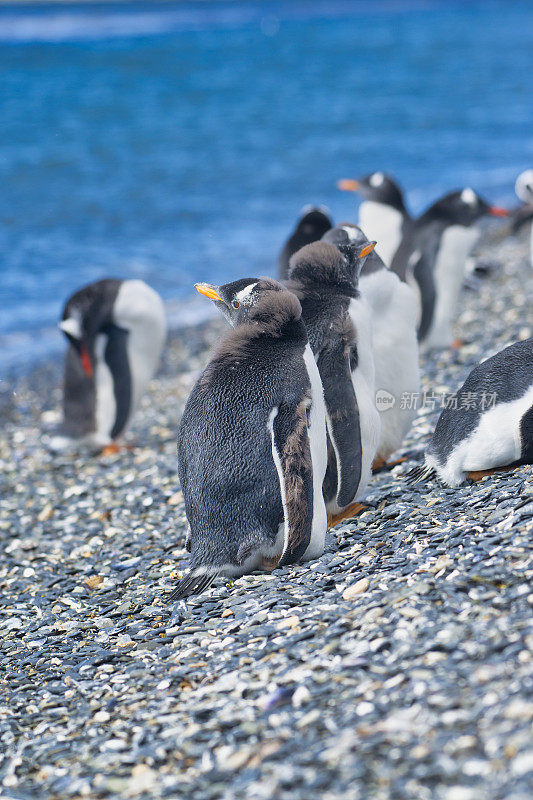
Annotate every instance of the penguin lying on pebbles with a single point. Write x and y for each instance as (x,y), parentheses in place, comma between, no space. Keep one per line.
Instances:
(313,223)
(116,330)
(524,215)
(488,424)
(383,215)
(432,256)
(394,317)
(252,441)
(339,326)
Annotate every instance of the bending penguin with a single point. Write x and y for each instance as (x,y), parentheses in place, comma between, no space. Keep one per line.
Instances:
(116,330)
(339,327)
(393,309)
(490,422)
(252,441)
(524,215)
(383,215)
(432,257)
(311,226)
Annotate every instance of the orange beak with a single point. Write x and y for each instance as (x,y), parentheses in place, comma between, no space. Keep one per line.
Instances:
(208,291)
(367,249)
(348,185)
(497,211)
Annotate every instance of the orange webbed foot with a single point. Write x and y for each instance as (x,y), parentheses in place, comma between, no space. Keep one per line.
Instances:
(351,511)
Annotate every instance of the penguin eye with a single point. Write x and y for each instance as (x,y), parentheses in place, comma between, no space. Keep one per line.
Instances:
(235,304)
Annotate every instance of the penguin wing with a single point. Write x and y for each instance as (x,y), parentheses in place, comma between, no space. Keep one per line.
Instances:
(521,216)
(342,420)
(292,454)
(423,275)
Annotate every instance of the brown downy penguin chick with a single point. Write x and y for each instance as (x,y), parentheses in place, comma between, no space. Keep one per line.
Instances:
(339,325)
(252,441)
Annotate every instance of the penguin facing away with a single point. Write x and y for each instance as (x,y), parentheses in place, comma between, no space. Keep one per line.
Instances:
(383,215)
(432,257)
(524,215)
(393,309)
(311,226)
(491,423)
(339,327)
(116,330)
(252,441)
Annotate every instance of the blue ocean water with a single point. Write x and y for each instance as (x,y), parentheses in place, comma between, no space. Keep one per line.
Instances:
(176,142)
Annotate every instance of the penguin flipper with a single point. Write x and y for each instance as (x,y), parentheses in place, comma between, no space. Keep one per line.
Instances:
(342,421)
(194,582)
(521,216)
(426,283)
(290,442)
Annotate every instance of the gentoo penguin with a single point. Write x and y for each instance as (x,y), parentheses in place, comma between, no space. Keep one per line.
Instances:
(488,423)
(393,308)
(312,224)
(383,215)
(252,441)
(432,256)
(524,215)
(115,331)
(339,326)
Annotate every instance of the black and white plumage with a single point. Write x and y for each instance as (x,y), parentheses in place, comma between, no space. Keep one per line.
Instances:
(252,440)
(383,214)
(393,309)
(524,215)
(339,327)
(432,257)
(116,330)
(489,423)
(313,222)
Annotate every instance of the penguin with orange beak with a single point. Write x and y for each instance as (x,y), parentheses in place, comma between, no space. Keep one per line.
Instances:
(115,330)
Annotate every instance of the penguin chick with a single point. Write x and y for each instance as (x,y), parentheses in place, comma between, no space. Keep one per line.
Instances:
(383,215)
(393,309)
(432,257)
(339,327)
(312,224)
(524,215)
(489,424)
(252,440)
(115,330)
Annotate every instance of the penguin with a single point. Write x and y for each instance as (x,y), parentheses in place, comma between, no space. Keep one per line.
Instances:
(339,326)
(393,309)
(489,422)
(432,256)
(314,221)
(252,441)
(383,214)
(524,215)
(115,330)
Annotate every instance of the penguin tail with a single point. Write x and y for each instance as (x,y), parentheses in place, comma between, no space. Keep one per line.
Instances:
(194,582)
(420,473)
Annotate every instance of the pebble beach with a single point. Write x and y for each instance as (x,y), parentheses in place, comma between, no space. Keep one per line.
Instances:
(398,665)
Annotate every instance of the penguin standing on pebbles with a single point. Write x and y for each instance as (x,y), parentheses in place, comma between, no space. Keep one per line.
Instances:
(488,424)
(432,257)
(524,215)
(383,215)
(252,441)
(339,327)
(394,317)
(312,225)
(116,330)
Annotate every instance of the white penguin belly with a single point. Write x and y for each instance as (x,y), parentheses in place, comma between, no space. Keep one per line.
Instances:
(382,223)
(531,245)
(106,407)
(455,246)
(495,442)
(397,375)
(319,456)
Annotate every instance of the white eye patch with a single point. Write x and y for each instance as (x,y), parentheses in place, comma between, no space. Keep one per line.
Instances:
(72,327)
(377,179)
(351,232)
(469,197)
(245,293)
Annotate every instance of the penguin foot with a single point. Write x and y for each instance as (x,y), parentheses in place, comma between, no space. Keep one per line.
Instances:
(270,564)
(479,474)
(382,465)
(113,448)
(351,511)
(457,344)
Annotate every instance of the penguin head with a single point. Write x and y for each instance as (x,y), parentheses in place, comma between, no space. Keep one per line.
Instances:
(313,222)
(324,264)
(86,313)
(524,186)
(345,234)
(250,300)
(377,186)
(463,207)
